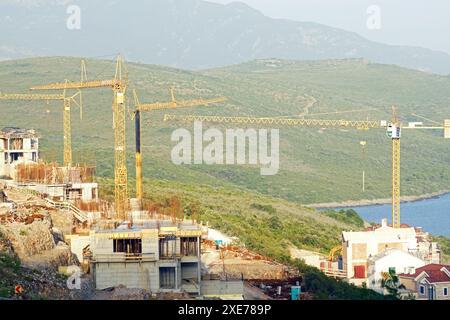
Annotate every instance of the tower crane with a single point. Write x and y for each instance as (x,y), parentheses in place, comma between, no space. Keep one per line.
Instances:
(393,130)
(172,104)
(67,102)
(119,85)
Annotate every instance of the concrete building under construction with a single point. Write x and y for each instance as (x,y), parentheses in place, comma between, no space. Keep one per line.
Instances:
(156,255)
(58,182)
(19,154)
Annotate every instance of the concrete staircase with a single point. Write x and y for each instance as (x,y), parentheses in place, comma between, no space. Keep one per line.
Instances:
(77,213)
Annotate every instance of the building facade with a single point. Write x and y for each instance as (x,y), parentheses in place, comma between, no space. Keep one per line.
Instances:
(430,282)
(394,259)
(17,146)
(159,256)
(361,246)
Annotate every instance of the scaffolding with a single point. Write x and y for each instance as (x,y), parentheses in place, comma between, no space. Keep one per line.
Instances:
(52,173)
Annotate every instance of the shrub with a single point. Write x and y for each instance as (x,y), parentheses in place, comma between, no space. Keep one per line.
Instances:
(264,207)
(347,216)
(325,288)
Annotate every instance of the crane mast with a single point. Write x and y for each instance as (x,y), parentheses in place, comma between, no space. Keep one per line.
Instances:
(118,84)
(120,161)
(173,104)
(394,132)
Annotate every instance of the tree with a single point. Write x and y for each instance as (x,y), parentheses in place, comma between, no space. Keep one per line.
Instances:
(391,283)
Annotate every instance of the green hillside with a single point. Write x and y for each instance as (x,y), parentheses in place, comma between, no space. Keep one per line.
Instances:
(265,224)
(316,165)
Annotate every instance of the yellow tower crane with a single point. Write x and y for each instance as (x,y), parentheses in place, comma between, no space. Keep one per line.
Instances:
(67,102)
(118,85)
(173,104)
(393,131)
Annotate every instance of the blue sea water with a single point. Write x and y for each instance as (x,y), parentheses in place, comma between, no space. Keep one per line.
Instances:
(433,215)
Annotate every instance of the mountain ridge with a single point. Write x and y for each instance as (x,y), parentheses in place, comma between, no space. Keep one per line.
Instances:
(189,34)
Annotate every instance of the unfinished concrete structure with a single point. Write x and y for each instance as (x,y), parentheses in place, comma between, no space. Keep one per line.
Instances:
(359,247)
(17,146)
(157,255)
(19,160)
(58,182)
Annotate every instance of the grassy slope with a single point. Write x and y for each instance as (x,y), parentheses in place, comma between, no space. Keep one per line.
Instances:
(316,165)
(265,224)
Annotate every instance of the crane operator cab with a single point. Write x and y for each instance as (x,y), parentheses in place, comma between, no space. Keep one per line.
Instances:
(394,131)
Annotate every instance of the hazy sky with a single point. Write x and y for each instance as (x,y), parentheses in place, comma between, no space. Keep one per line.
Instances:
(407,22)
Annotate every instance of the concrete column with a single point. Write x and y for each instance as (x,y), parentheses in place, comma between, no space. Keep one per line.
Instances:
(9,152)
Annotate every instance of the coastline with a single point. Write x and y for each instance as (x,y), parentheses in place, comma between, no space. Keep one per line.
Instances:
(366,202)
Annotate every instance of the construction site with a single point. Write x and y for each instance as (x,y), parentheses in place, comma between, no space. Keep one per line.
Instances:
(131,245)
(126,244)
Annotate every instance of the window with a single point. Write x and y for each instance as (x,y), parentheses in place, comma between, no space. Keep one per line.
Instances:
(128,246)
(189,246)
(422,290)
(167,247)
(445,291)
